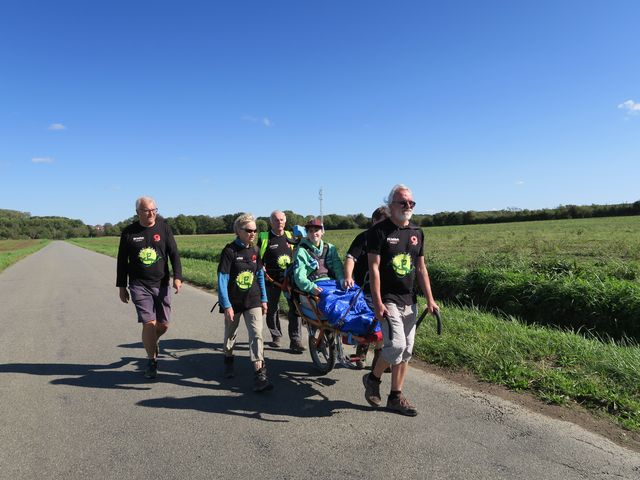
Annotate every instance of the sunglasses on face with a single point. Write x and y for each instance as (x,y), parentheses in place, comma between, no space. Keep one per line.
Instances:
(406,203)
(249,230)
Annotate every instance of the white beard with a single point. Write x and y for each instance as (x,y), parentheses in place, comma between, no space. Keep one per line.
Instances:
(403,216)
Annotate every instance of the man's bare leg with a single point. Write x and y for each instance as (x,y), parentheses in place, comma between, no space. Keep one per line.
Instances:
(150,338)
(398,372)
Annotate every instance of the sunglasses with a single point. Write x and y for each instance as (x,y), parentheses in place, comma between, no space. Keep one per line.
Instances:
(249,230)
(406,203)
(148,210)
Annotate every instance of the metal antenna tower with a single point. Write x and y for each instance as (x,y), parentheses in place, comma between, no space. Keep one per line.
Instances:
(320,197)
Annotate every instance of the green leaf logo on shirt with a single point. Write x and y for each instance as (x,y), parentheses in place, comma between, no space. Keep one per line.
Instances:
(148,256)
(284,261)
(401,264)
(244,280)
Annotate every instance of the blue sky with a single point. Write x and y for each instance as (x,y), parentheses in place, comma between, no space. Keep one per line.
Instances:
(220,107)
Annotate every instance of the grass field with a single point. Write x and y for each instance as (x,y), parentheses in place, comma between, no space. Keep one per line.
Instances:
(582,274)
(13,250)
(609,247)
(547,272)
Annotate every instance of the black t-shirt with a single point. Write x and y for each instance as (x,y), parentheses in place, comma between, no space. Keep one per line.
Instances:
(399,249)
(241,264)
(143,254)
(358,250)
(277,255)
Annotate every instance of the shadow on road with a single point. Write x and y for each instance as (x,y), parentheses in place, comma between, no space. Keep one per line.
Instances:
(298,391)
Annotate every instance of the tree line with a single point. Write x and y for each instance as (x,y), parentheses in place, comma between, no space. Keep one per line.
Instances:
(522,215)
(15,224)
(18,225)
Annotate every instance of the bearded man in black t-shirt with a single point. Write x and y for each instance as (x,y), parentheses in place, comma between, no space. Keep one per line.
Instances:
(146,246)
(396,261)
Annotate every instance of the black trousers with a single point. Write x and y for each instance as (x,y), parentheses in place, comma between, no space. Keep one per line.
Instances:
(273,314)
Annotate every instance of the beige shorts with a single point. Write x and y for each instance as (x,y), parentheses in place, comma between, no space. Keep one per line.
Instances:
(398,333)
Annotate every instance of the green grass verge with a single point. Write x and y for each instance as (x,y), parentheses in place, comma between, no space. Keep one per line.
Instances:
(608,307)
(557,366)
(13,250)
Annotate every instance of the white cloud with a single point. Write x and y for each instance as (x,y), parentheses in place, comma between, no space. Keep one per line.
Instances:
(56,126)
(520,182)
(266,121)
(42,160)
(630,106)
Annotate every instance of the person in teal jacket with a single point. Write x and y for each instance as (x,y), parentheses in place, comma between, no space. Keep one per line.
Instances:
(315,259)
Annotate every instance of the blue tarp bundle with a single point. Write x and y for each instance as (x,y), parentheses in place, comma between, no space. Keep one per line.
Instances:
(334,302)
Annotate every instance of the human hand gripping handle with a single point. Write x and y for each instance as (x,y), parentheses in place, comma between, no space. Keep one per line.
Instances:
(124,295)
(381,312)
(433,307)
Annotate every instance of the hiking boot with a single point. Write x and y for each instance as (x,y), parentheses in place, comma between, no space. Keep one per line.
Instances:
(296,346)
(276,342)
(371,391)
(401,405)
(261,382)
(152,369)
(228,367)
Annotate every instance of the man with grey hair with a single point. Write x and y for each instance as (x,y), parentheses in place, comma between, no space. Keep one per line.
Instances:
(396,260)
(275,247)
(145,247)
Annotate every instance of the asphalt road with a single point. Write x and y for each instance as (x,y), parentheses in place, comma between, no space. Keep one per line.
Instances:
(74,403)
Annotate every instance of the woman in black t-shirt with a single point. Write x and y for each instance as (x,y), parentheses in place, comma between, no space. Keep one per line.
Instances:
(242,292)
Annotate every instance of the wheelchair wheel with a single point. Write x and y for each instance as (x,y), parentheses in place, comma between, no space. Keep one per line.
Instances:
(322,347)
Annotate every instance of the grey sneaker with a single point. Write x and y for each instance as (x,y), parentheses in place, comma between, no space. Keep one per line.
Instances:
(371,391)
(228,367)
(401,405)
(260,382)
(276,342)
(152,369)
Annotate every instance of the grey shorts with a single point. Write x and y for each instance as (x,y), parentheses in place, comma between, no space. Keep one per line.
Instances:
(151,303)
(398,333)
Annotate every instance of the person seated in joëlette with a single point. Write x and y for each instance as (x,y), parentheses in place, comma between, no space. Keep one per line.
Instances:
(316,261)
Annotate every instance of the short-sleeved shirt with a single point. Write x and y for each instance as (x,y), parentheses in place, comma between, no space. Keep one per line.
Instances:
(358,251)
(277,255)
(143,255)
(399,249)
(241,264)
